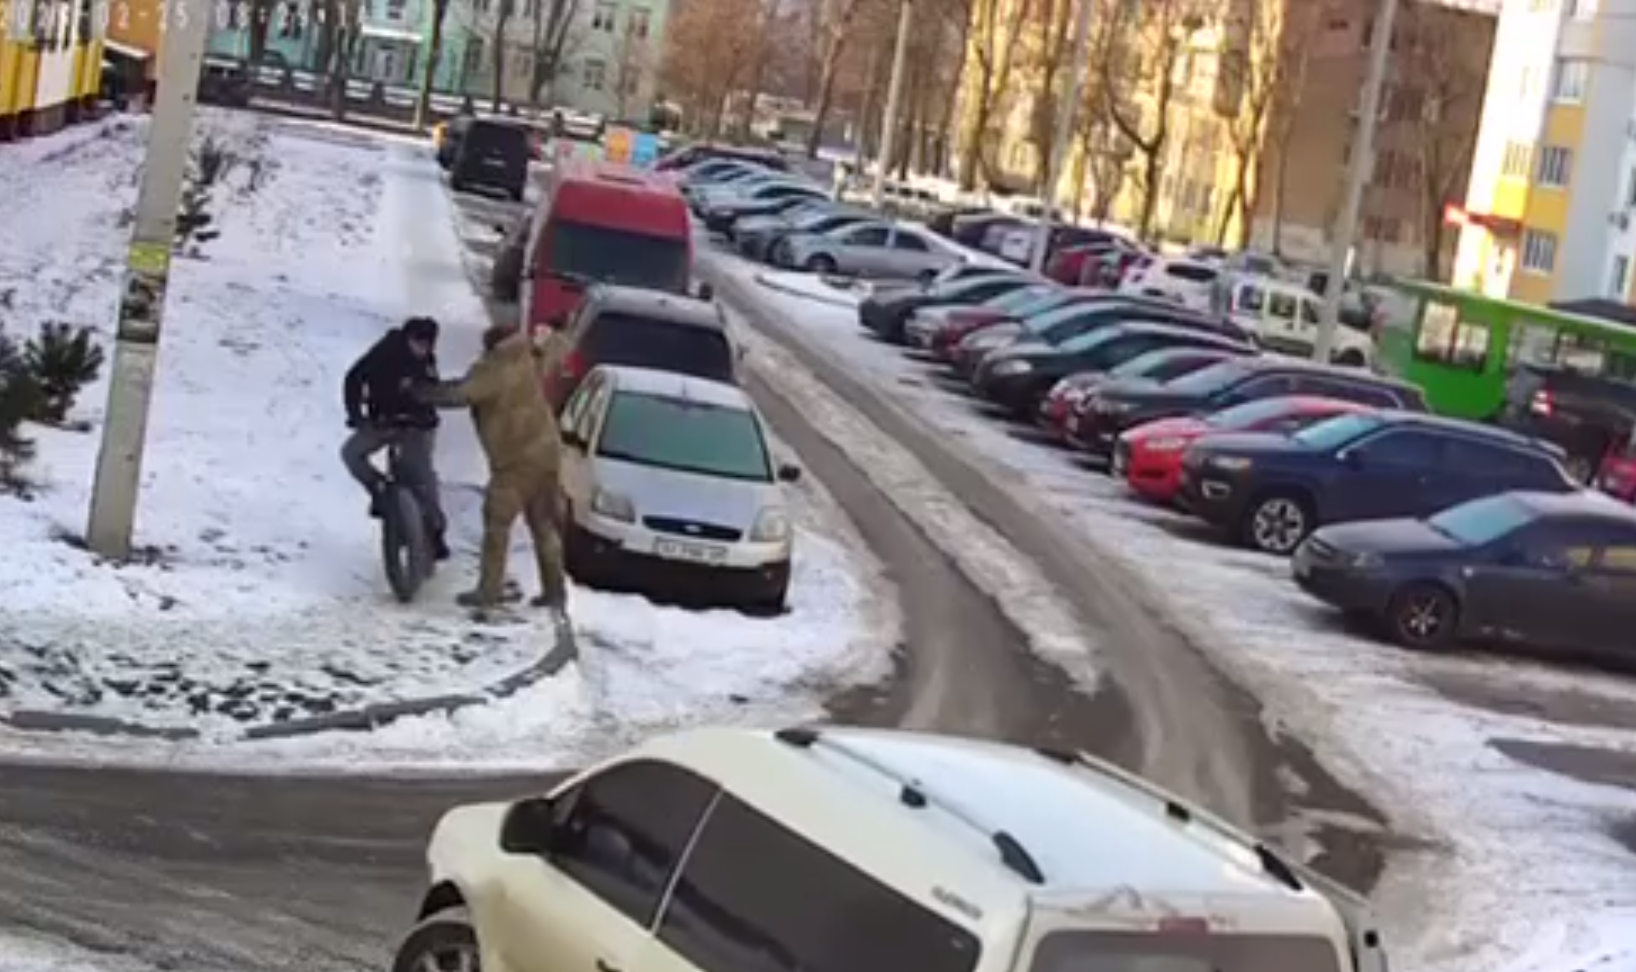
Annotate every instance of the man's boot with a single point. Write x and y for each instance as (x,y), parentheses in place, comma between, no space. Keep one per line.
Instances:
(440,546)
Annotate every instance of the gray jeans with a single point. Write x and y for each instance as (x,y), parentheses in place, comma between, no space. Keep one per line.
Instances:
(415,468)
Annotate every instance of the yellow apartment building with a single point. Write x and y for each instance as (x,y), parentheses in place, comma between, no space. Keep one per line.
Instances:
(50,64)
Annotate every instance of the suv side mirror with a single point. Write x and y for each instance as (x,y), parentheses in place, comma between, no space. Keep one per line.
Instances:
(789,473)
(529,827)
(1350,458)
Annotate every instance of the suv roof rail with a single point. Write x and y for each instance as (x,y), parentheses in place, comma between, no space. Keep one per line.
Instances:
(1283,871)
(911,794)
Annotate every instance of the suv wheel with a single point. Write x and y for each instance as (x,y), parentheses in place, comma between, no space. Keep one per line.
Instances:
(443,942)
(1422,616)
(820,264)
(1276,523)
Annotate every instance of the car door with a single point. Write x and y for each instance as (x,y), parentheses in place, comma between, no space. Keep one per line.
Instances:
(906,254)
(860,249)
(590,902)
(1608,596)
(1533,589)
(1394,472)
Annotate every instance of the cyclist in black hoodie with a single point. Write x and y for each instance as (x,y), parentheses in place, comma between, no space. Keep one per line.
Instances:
(384,403)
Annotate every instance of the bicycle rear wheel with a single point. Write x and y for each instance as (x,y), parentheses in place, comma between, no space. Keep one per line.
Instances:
(405,550)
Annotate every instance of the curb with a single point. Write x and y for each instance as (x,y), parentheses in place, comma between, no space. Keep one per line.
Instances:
(784,288)
(362,719)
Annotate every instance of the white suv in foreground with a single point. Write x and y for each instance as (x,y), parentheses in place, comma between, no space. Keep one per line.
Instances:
(823,849)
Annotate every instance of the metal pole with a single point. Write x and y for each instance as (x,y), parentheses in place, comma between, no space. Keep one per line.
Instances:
(1065,129)
(1357,178)
(147,275)
(894,95)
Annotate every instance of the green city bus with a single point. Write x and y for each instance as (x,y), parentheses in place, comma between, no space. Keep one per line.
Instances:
(1461,347)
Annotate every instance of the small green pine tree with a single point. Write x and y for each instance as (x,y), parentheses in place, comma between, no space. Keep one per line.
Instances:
(19,401)
(61,360)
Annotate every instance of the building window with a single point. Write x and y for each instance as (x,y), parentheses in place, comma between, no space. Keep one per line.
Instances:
(1571,79)
(1555,165)
(1538,251)
(1619,277)
(1516,158)
(1582,9)
(603,18)
(640,23)
(595,75)
(395,9)
(1528,83)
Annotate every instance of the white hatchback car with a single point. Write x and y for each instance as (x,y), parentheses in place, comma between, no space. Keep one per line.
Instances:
(672,487)
(1189,282)
(853,850)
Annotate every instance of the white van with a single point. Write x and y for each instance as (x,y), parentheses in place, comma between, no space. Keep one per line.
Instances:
(1284,317)
(847,850)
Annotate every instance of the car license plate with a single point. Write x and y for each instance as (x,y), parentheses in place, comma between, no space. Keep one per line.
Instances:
(693,553)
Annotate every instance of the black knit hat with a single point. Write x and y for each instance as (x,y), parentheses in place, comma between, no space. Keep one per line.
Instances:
(420,329)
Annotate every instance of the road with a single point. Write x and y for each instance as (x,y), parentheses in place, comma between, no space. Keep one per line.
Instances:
(200,872)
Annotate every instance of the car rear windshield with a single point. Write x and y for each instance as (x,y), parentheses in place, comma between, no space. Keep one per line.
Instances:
(1482,521)
(1195,272)
(489,137)
(617,338)
(1134,951)
(1335,432)
(686,436)
(616,256)
(1021,298)
(1208,381)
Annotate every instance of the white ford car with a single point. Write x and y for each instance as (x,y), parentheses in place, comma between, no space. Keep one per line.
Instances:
(851,850)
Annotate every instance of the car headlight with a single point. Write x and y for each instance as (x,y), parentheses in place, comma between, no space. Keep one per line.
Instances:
(1167,444)
(1229,463)
(1012,367)
(771,526)
(613,506)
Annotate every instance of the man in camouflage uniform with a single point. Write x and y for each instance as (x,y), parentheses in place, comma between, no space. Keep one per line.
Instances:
(519,434)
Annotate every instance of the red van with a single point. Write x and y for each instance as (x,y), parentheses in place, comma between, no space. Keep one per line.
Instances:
(603,223)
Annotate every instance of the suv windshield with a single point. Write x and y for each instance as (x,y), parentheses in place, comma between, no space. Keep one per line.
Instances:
(618,338)
(686,436)
(1482,521)
(605,255)
(1132,951)
(1338,431)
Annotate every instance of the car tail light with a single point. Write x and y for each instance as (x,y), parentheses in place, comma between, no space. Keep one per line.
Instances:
(573,365)
(1542,404)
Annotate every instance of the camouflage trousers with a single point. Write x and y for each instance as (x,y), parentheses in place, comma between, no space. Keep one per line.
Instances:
(528,491)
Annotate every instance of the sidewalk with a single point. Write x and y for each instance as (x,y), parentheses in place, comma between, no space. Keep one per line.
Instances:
(259,598)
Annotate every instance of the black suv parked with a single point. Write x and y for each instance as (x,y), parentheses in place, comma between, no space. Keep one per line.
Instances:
(1588,416)
(1269,491)
(1118,406)
(887,312)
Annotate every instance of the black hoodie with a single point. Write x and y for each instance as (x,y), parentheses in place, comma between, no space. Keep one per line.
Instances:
(381,387)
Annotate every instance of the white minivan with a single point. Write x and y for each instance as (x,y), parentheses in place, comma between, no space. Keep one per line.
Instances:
(1284,317)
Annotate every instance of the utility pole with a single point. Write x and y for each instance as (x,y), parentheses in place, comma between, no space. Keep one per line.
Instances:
(894,95)
(147,277)
(1358,171)
(1075,83)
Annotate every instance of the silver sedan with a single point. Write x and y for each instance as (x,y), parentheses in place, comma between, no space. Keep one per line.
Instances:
(877,250)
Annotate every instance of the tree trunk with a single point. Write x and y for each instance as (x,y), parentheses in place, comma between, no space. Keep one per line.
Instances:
(1280,192)
(497,90)
(434,56)
(260,13)
(826,90)
(866,107)
(1152,164)
(341,71)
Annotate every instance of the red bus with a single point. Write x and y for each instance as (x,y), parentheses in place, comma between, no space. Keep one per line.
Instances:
(603,223)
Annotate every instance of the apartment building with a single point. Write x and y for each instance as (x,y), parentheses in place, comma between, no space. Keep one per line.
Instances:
(50,65)
(610,53)
(1426,129)
(1553,183)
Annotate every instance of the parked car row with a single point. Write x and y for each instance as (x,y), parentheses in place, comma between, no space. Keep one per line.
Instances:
(1413,521)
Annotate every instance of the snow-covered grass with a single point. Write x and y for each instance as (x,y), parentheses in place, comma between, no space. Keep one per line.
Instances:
(259,593)
(1519,872)
(20,954)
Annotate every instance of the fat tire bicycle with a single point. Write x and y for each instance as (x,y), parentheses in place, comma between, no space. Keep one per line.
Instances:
(406,545)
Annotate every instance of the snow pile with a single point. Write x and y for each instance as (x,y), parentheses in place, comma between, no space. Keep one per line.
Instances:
(258,594)
(18,954)
(1519,871)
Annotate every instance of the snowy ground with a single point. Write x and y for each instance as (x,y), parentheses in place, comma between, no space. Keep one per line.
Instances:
(19,954)
(1521,871)
(259,596)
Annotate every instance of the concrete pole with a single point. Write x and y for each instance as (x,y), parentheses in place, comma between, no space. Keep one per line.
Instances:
(1075,84)
(894,98)
(147,276)
(1357,179)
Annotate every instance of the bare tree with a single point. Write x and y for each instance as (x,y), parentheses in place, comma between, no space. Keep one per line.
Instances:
(503,11)
(551,47)
(1264,45)
(704,84)
(348,30)
(1442,59)
(996,30)
(1050,46)
(1140,84)
(839,16)
(434,57)
(632,63)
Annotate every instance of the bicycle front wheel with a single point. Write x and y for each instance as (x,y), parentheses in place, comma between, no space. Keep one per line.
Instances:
(405,550)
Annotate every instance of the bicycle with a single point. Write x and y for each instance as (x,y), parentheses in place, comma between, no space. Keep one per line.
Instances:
(406,547)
